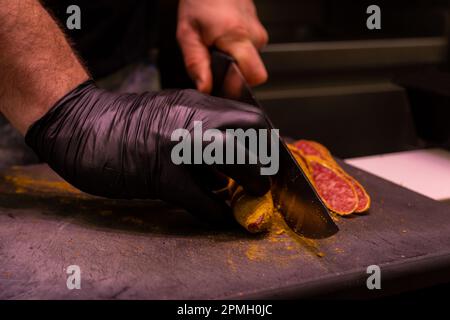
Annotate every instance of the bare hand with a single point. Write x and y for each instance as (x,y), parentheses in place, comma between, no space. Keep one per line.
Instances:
(230,25)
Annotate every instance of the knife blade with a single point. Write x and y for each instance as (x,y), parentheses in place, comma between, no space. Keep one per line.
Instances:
(293,194)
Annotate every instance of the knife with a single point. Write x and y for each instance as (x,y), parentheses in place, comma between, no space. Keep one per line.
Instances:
(293,194)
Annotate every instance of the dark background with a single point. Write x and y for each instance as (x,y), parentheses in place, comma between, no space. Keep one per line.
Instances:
(386,91)
(379,95)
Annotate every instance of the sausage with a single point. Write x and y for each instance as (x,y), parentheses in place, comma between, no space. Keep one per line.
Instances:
(308,148)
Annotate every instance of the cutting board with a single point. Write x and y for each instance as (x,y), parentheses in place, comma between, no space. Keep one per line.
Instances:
(151,250)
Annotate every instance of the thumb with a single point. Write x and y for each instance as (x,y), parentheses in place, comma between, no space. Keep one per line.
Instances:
(196,57)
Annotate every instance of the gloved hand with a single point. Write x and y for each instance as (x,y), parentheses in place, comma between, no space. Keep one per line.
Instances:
(119,146)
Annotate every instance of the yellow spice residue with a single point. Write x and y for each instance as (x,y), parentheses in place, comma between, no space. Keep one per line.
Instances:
(255,252)
(253,213)
(232,265)
(293,244)
(24,184)
(258,215)
(339,250)
(334,216)
(258,250)
(279,226)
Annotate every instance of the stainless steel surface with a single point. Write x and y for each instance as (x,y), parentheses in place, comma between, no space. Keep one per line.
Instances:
(295,197)
(325,91)
(303,56)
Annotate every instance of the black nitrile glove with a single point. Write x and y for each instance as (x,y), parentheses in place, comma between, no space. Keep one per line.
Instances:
(119,145)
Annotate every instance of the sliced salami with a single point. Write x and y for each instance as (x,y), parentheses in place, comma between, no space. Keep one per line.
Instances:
(336,191)
(363,197)
(300,160)
(309,148)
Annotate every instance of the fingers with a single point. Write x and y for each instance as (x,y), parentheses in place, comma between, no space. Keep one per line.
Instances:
(248,59)
(234,115)
(259,35)
(194,193)
(239,155)
(246,173)
(239,161)
(248,176)
(207,206)
(196,56)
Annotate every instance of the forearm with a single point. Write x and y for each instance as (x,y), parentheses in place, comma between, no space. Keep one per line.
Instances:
(37,64)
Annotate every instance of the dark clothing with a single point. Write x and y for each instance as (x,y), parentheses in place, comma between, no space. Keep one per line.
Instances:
(113,33)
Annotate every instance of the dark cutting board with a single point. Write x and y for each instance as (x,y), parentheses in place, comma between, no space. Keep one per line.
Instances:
(147,249)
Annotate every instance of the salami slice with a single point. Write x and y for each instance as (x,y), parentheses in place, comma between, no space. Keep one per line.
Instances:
(308,149)
(336,191)
(363,197)
(300,160)
(312,148)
